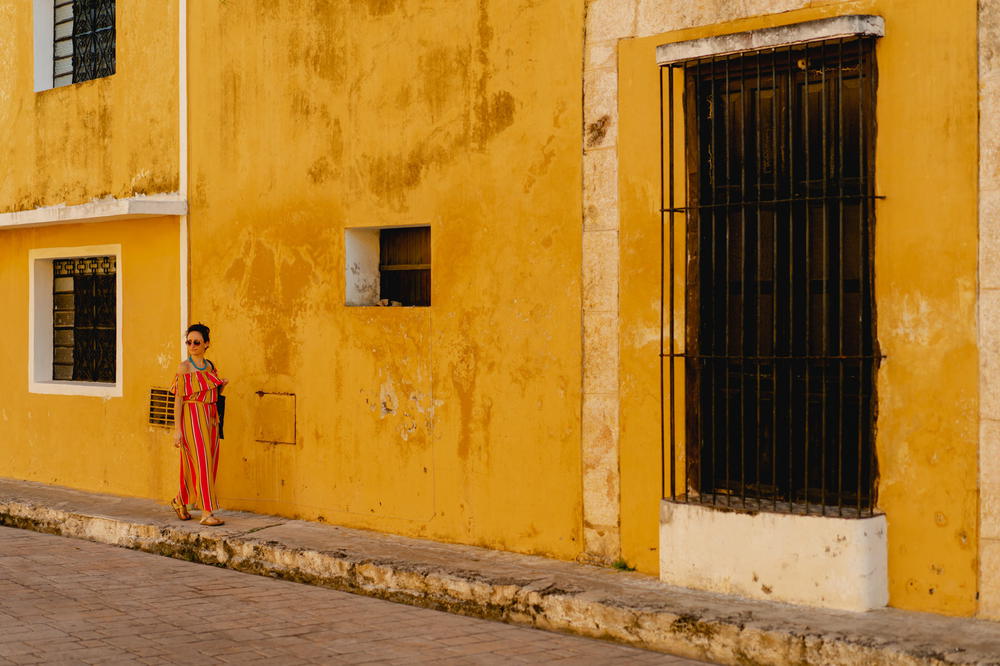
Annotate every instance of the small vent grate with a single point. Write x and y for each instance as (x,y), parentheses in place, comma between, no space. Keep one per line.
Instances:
(161,407)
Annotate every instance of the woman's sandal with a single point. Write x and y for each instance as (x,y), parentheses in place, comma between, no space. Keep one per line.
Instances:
(211,521)
(180,509)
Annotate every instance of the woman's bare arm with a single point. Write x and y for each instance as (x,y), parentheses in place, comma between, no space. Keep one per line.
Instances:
(178,399)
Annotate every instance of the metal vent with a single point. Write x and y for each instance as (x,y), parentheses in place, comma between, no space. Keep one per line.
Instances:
(161,407)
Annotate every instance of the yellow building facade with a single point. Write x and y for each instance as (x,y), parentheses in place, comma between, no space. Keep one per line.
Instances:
(239,158)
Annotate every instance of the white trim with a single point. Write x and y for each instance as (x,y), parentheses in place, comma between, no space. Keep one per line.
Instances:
(182,102)
(40,323)
(821,561)
(182,166)
(182,251)
(765,38)
(99,210)
(43,16)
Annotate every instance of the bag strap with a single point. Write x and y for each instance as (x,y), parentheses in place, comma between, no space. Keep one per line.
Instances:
(213,370)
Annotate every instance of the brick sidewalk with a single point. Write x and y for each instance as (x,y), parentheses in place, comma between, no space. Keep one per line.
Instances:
(65,600)
(549,594)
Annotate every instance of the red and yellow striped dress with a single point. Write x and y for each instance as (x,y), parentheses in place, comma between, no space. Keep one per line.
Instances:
(200,432)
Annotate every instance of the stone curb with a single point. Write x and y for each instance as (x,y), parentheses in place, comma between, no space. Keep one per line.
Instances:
(735,639)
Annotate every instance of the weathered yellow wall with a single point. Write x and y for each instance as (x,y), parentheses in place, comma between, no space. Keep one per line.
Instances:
(90,442)
(459,421)
(114,136)
(925,272)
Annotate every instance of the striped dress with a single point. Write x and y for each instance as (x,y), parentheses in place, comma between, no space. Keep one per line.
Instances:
(200,432)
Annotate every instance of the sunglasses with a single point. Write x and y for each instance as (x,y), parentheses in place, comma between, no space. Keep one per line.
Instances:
(193,343)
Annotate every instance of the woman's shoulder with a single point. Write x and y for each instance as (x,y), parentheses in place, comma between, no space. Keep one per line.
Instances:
(184,368)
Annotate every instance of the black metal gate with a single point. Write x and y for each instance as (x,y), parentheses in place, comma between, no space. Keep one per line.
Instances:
(780,351)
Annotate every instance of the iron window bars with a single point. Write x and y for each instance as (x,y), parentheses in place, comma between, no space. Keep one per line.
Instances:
(84,319)
(780,351)
(83,40)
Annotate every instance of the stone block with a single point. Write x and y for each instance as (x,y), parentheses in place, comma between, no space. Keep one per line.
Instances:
(989,353)
(656,16)
(989,478)
(600,189)
(600,419)
(601,543)
(989,451)
(989,36)
(600,352)
(989,579)
(600,271)
(989,231)
(610,19)
(601,496)
(600,108)
(602,55)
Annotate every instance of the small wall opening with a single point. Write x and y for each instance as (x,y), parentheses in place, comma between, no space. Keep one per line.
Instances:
(388,266)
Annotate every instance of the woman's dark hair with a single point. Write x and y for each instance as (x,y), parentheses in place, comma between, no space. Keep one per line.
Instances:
(198,328)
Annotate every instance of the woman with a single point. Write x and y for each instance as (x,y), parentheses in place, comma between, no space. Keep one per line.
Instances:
(196,388)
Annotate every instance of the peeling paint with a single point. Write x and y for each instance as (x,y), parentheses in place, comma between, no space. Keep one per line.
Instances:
(294,138)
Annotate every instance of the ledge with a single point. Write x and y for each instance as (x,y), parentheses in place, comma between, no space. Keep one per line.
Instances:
(822,561)
(785,35)
(100,210)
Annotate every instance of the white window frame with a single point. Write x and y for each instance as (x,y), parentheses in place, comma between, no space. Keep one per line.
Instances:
(40,323)
(44,31)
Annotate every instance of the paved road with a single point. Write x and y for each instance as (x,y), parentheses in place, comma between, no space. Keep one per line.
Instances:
(69,601)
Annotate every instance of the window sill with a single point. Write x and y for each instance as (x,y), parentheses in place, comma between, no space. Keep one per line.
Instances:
(91,389)
(829,562)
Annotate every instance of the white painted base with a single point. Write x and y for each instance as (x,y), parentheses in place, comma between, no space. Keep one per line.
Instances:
(812,560)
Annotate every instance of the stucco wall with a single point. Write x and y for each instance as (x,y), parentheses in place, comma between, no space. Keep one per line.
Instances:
(459,421)
(925,272)
(114,136)
(94,443)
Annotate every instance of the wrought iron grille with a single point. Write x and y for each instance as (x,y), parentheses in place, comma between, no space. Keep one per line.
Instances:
(84,317)
(405,265)
(93,38)
(161,407)
(779,353)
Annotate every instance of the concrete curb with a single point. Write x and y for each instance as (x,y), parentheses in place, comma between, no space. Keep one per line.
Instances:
(730,632)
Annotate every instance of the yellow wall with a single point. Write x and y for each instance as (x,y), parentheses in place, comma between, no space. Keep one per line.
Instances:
(114,136)
(925,272)
(459,421)
(93,443)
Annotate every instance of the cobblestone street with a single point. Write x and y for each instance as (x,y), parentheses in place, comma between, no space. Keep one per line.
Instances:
(70,601)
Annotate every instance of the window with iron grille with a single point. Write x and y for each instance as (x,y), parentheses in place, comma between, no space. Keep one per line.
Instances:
(84,319)
(83,40)
(780,351)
